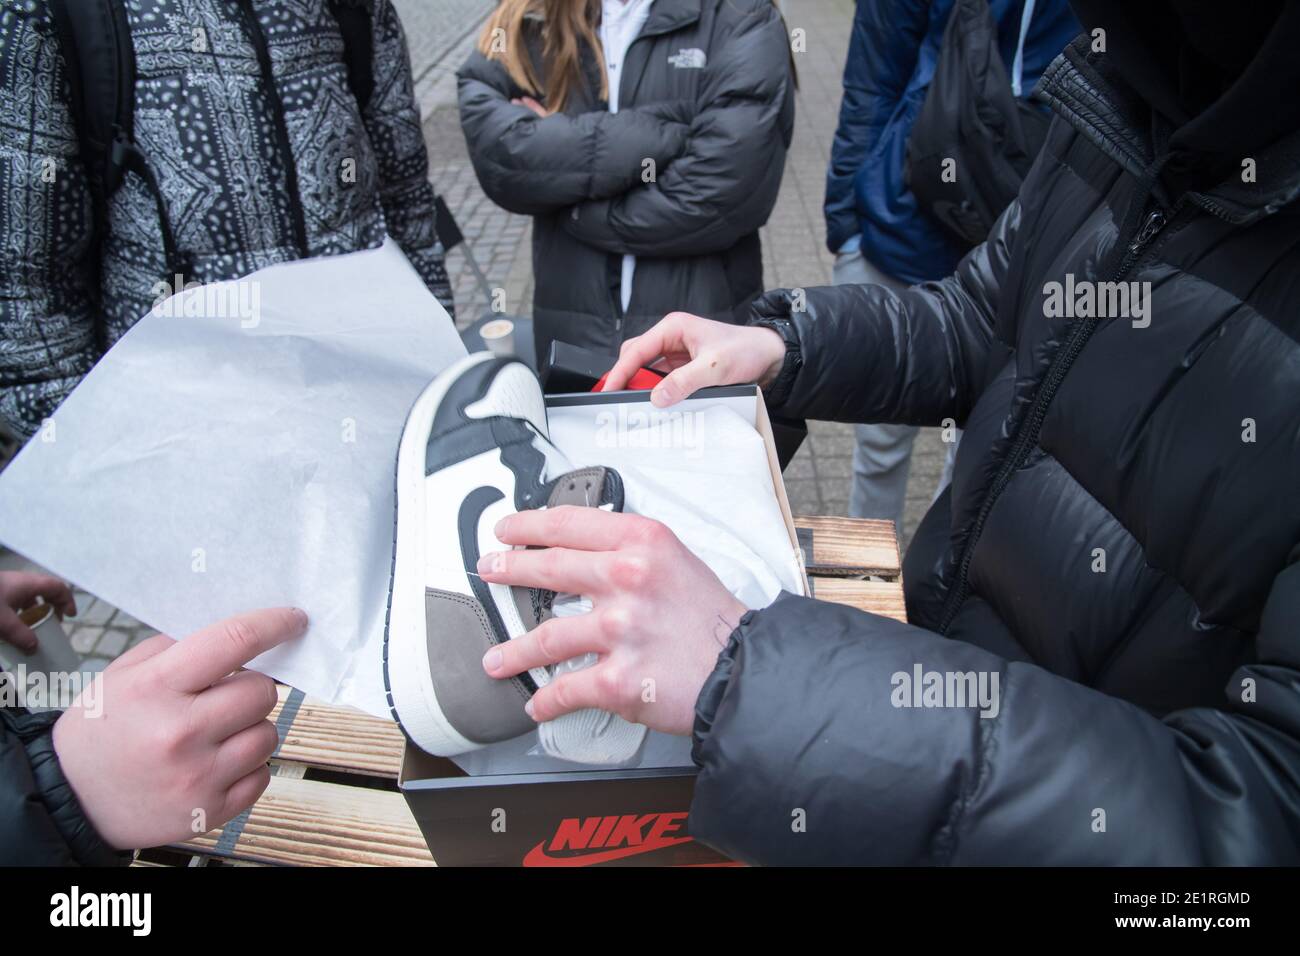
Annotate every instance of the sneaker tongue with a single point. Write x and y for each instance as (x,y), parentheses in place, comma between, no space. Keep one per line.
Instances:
(555,461)
(594,487)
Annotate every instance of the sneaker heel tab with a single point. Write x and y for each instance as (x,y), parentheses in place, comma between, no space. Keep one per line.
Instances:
(593,487)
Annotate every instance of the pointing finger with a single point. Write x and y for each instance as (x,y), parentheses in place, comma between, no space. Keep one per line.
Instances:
(142,652)
(206,656)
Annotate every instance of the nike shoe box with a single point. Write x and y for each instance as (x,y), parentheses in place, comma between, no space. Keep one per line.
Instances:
(530,810)
(571,368)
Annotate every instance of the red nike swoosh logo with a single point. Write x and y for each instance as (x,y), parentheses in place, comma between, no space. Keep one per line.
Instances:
(537,856)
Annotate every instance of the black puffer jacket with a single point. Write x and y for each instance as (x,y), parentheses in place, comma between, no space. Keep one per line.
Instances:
(707,95)
(1120,547)
(41,823)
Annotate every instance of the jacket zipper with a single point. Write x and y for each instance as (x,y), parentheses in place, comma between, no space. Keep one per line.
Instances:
(281,130)
(619,312)
(1027,434)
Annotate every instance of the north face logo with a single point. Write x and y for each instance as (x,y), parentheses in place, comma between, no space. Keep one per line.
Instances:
(691,58)
(582,842)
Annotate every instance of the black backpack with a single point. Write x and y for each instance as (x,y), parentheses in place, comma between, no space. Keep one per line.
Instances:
(95,39)
(974,126)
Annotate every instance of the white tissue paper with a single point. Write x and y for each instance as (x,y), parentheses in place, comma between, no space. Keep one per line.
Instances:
(701,468)
(235,450)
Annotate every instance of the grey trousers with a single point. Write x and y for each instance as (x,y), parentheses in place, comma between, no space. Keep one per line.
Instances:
(882,454)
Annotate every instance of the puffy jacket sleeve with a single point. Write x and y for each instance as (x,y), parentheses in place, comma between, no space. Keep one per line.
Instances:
(536,166)
(883,49)
(806,757)
(50,322)
(872,355)
(723,187)
(41,823)
(392,121)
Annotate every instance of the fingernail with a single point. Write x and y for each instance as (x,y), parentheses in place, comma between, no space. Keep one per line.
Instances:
(299,618)
(489,563)
(528,709)
(659,397)
(502,527)
(492,660)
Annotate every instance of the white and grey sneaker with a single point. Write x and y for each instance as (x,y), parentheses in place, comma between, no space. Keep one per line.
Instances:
(475,448)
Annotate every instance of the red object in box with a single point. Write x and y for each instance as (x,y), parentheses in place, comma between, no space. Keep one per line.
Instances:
(643,378)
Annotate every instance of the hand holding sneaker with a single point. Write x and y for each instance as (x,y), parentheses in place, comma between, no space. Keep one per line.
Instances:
(475,448)
(659,616)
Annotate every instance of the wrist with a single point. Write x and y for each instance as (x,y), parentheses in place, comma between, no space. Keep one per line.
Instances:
(63,750)
(779,380)
(715,688)
(86,841)
(772,349)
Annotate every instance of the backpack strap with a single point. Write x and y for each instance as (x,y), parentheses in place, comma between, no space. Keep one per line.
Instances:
(353,18)
(95,38)
(96,43)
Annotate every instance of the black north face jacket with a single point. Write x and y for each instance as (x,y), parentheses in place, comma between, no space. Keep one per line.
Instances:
(1120,546)
(707,95)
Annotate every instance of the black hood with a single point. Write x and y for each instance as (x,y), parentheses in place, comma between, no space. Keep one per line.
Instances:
(1221,79)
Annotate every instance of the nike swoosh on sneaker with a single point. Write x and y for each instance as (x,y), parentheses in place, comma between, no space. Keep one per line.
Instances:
(474,449)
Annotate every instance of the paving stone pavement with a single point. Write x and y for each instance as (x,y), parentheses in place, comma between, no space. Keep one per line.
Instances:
(440,34)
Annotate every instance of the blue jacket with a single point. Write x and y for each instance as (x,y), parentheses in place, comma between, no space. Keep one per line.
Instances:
(892,55)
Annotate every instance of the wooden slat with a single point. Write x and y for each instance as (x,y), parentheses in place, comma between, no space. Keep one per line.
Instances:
(878,597)
(340,738)
(850,547)
(311,823)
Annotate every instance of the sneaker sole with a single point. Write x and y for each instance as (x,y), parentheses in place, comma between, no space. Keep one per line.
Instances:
(406,649)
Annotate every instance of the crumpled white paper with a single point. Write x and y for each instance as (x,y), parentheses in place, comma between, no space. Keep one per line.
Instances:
(235,450)
(701,468)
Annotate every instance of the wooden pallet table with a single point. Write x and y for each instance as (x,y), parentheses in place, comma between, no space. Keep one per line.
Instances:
(333,798)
